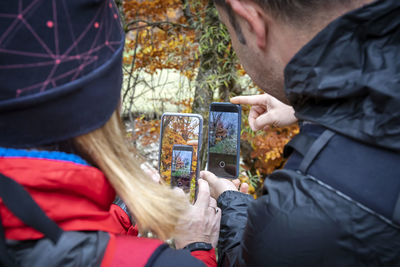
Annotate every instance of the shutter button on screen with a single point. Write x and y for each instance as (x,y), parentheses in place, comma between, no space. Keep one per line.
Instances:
(222,164)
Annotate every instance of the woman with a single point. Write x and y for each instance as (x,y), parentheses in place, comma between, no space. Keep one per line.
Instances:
(62,152)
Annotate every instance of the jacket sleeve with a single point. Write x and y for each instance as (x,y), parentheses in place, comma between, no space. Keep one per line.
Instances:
(124,222)
(169,257)
(295,223)
(162,255)
(233,222)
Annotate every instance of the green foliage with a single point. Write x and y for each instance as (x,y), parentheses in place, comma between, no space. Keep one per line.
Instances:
(219,59)
(226,146)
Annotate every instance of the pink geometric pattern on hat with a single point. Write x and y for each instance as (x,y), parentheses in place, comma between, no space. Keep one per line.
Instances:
(80,62)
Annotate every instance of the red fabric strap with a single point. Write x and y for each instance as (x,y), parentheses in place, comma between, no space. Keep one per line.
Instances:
(129,251)
(208,257)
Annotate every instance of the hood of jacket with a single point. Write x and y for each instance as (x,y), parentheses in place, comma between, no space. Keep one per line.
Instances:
(347,78)
(75,195)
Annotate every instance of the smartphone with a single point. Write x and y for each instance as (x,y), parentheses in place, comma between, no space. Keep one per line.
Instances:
(224,140)
(181,167)
(180,141)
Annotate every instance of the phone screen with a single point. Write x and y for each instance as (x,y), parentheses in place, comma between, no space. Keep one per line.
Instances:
(181,166)
(180,141)
(224,140)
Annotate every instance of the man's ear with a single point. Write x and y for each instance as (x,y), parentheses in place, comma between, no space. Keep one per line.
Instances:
(253,15)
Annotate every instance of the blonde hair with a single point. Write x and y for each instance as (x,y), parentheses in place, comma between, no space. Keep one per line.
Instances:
(155,207)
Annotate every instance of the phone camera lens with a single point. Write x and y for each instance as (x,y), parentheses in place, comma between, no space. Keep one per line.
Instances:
(222,164)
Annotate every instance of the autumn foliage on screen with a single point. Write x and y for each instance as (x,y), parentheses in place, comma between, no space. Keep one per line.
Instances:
(179,130)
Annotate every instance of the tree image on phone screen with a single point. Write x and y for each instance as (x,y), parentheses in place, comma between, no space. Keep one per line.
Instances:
(181,166)
(223,144)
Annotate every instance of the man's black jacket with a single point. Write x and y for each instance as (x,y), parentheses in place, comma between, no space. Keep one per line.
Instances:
(341,208)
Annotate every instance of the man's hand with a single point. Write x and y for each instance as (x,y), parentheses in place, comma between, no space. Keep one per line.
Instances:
(242,187)
(266,110)
(220,185)
(201,222)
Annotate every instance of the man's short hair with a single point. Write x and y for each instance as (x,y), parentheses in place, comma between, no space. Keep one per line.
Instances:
(293,10)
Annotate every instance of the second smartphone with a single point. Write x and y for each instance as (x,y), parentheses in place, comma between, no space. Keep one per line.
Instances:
(224,140)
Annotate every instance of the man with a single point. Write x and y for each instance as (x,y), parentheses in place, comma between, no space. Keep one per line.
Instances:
(336,202)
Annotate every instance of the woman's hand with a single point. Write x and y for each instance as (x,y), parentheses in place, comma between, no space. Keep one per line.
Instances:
(201,222)
(266,111)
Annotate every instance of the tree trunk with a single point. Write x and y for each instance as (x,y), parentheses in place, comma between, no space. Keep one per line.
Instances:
(202,99)
(203,91)
(215,71)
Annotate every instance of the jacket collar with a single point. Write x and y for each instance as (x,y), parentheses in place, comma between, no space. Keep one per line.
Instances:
(41,154)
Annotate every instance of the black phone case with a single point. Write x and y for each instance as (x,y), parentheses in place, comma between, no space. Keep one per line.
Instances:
(239,111)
